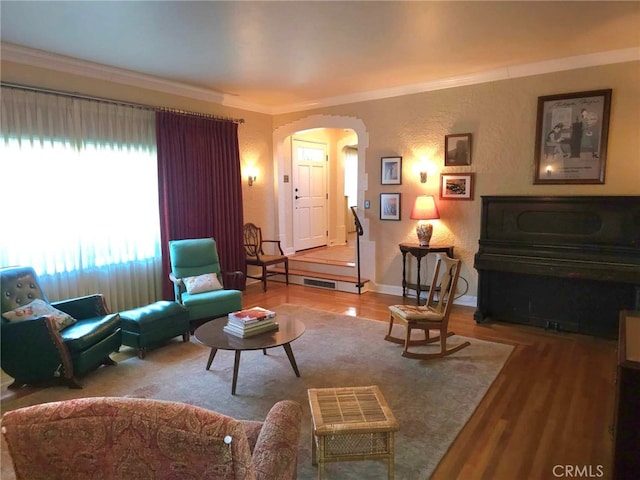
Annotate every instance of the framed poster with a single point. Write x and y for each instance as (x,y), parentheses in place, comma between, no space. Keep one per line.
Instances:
(457,149)
(391,171)
(571,137)
(389,206)
(456,186)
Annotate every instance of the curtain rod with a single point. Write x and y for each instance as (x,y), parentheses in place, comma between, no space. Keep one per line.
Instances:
(121,103)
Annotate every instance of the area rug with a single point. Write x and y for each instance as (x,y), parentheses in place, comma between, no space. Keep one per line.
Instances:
(432,400)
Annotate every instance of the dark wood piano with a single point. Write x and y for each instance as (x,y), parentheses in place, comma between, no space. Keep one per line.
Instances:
(565,263)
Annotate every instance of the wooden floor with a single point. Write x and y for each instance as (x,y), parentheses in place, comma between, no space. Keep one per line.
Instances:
(547,414)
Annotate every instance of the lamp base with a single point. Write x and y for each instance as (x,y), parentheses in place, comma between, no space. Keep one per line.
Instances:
(424,232)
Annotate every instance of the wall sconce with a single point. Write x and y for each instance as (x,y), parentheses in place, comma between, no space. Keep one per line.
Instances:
(424,167)
(252,173)
(424,209)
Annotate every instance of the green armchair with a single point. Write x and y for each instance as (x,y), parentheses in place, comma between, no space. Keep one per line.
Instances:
(198,280)
(40,347)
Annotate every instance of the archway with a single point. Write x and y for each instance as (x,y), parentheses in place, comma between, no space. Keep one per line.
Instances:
(282,188)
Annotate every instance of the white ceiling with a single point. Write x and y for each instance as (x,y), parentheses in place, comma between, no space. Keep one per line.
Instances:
(276,55)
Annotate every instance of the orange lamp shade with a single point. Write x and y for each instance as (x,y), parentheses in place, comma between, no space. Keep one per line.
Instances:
(425,208)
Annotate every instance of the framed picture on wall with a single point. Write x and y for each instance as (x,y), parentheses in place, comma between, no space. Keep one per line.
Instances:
(391,171)
(571,137)
(389,206)
(457,149)
(456,186)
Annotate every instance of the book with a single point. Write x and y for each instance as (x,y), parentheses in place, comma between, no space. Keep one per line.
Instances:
(252,315)
(248,327)
(244,333)
(243,324)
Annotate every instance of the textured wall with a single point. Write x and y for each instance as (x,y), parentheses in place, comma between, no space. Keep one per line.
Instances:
(500,115)
(502,118)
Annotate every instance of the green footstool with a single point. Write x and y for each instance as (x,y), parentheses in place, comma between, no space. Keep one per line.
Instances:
(151,325)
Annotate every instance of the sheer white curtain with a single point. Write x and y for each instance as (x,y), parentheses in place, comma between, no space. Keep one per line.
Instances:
(351,175)
(79,190)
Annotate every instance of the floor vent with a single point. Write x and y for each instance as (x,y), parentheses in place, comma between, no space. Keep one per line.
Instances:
(319,283)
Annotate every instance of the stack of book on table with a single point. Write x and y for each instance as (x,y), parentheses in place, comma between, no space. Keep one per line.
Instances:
(252,321)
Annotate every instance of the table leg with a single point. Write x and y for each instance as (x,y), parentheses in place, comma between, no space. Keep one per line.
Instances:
(320,457)
(287,348)
(314,448)
(418,285)
(211,355)
(404,274)
(391,459)
(236,365)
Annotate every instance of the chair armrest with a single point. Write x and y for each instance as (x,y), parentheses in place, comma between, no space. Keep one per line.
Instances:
(232,280)
(237,275)
(80,308)
(33,350)
(174,280)
(276,451)
(277,242)
(178,287)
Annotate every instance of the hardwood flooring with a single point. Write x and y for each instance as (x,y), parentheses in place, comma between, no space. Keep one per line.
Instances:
(547,415)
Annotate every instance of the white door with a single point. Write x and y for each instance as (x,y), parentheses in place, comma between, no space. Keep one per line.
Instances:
(309,194)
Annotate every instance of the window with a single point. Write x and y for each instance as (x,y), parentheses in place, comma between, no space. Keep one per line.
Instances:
(79,190)
(71,210)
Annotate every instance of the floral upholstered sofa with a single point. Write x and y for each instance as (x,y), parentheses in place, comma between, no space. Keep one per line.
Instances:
(131,438)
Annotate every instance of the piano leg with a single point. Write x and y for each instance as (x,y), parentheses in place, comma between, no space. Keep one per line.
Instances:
(481,315)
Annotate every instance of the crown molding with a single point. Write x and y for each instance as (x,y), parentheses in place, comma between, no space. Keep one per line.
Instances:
(516,71)
(38,58)
(61,63)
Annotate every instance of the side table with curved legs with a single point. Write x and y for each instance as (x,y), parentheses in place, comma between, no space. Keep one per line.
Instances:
(418,252)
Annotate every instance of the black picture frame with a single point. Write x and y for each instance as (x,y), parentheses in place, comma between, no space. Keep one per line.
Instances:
(572,132)
(391,170)
(390,206)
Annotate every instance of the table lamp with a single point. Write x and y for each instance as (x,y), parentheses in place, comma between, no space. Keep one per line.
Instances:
(424,209)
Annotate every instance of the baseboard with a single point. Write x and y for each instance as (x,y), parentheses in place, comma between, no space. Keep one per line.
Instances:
(464,300)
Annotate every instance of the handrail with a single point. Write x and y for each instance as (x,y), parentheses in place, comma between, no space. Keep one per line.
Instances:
(359,233)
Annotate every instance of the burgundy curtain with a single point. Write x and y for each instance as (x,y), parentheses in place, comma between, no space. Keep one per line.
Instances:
(200,187)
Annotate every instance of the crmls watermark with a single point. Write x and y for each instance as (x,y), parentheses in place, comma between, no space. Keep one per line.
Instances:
(578,471)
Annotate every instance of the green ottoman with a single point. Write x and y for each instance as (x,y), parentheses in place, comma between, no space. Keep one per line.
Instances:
(151,325)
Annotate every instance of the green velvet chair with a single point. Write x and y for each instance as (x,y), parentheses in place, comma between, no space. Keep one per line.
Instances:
(38,349)
(196,261)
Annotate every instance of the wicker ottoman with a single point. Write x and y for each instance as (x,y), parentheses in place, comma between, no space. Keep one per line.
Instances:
(153,324)
(353,423)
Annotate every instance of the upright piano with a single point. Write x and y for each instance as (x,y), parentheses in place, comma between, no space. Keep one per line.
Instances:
(560,262)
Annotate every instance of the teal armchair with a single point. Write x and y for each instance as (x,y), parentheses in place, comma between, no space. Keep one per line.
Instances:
(38,349)
(198,280)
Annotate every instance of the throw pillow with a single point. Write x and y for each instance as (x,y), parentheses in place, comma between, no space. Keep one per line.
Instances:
(39,308)
(202,283)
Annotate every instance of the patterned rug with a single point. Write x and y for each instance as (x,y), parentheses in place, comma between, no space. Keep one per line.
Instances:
(431,400)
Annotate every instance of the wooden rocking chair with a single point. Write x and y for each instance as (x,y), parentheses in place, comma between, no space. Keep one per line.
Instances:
(433,315)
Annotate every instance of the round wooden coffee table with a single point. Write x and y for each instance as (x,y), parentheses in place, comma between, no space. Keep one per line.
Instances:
(212,335)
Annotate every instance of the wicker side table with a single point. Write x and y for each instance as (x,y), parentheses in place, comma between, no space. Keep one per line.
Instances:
(352,423)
